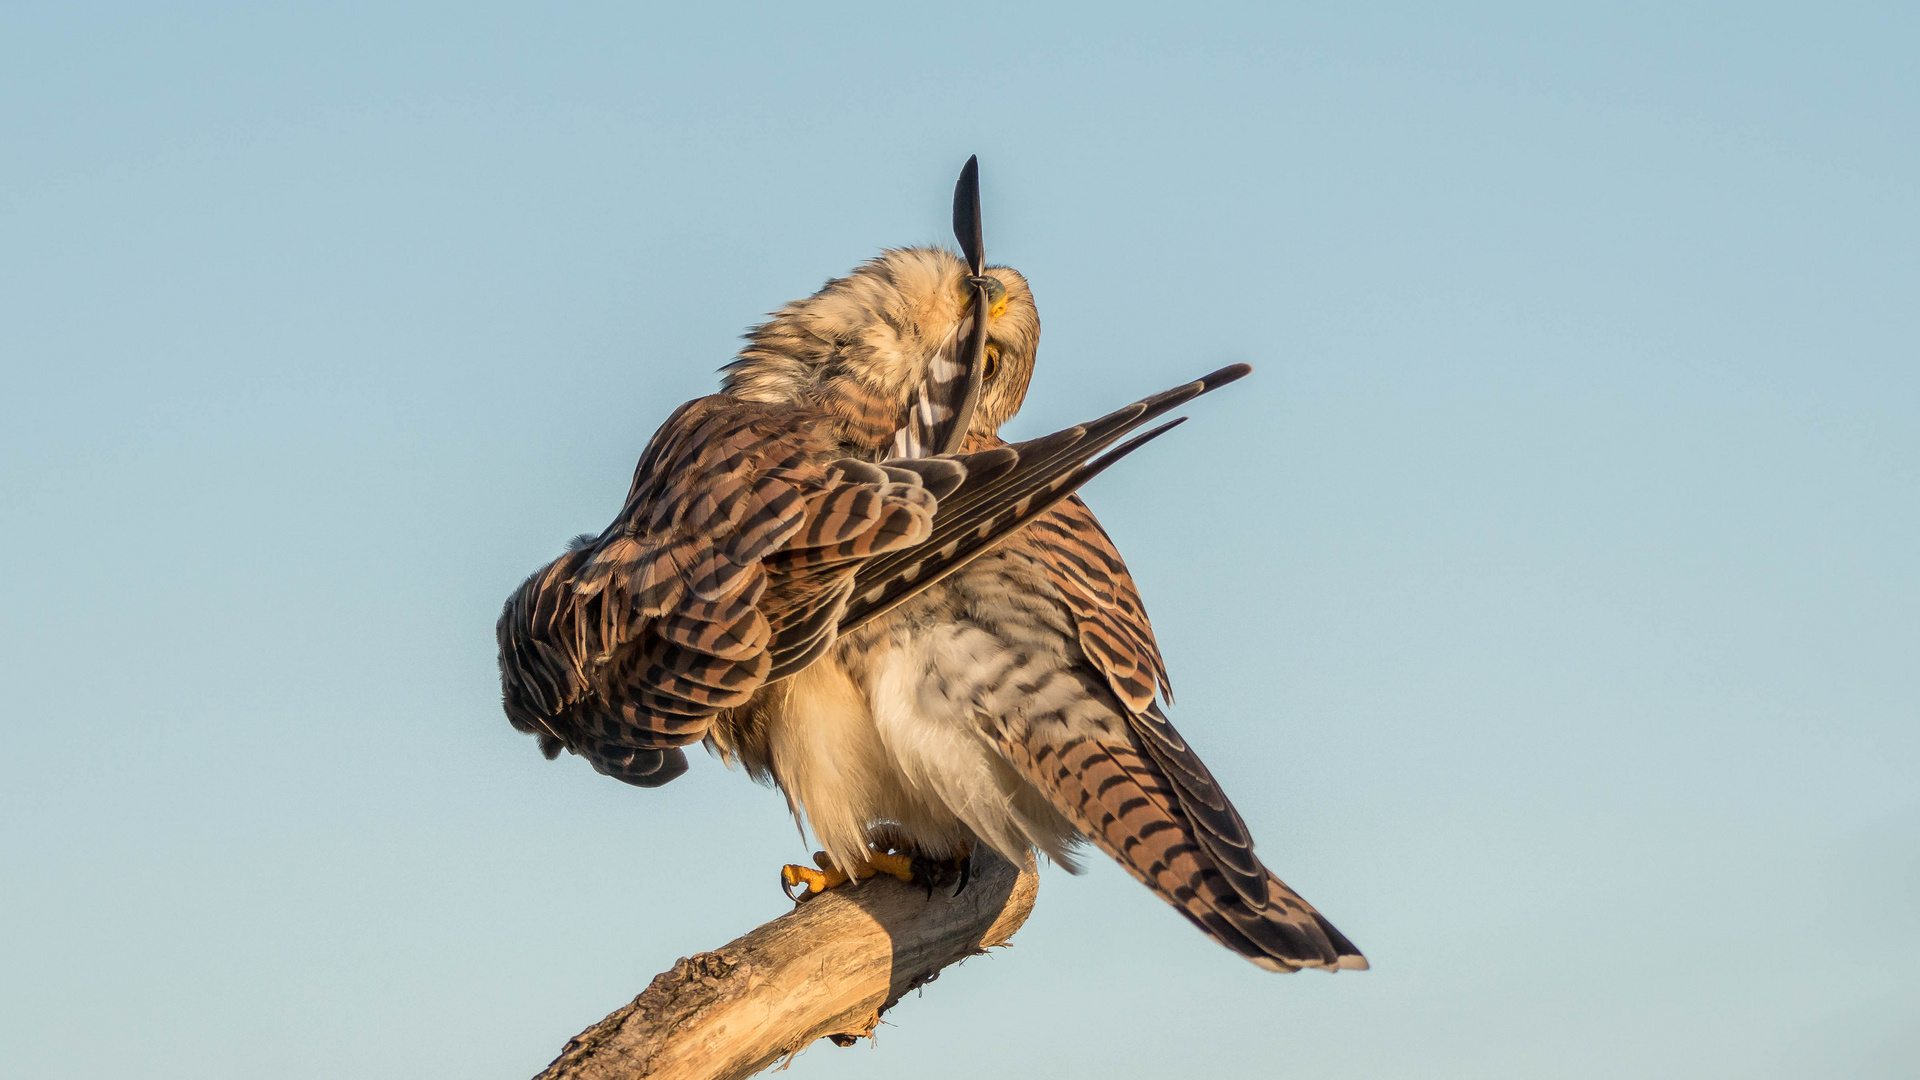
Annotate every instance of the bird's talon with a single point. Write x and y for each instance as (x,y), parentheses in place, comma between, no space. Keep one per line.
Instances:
(811,882)
(790,876)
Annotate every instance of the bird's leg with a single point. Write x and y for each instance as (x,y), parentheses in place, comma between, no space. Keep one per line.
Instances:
(813,882)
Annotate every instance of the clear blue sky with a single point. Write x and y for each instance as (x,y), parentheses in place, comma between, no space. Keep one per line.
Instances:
(1548,599)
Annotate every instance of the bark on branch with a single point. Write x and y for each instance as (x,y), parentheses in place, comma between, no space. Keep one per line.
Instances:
(827,969)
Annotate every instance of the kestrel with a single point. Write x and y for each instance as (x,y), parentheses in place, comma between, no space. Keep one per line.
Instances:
(836,574)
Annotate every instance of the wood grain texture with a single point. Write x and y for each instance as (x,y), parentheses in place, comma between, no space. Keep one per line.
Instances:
(827,969)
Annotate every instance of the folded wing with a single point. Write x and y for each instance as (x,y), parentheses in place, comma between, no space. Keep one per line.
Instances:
(727,567)
(1135,787)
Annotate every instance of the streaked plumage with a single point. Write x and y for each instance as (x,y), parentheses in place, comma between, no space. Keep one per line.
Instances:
(941,648)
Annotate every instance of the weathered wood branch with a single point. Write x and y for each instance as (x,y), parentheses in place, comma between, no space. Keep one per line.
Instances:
(827,969)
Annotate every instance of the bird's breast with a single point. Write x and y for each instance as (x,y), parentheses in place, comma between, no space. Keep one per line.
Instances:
(886,739)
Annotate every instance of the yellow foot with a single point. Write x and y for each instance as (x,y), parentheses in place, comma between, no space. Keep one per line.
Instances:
(813,882)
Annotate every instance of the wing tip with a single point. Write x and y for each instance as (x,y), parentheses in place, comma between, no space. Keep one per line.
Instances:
(1225,375)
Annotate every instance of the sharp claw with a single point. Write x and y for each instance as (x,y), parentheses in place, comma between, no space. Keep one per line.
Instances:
(812,882)
(788,879)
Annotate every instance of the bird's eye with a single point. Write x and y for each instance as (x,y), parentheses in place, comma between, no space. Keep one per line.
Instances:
(993,362)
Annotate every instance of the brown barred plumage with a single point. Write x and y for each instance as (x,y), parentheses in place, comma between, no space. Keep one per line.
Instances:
(1109,618)
(946,649)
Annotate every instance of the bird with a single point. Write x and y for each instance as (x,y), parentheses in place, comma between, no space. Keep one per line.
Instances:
(837,575)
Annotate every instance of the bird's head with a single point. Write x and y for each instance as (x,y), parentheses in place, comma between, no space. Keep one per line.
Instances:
(862,346)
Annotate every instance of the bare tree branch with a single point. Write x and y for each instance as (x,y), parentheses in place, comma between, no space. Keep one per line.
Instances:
(827,969)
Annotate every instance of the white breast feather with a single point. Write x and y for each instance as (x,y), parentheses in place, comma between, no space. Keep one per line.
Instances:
(927,707)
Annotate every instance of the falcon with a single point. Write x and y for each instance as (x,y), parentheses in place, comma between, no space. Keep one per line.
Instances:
(837,575)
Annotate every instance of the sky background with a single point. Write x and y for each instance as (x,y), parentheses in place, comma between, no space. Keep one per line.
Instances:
(1548,599)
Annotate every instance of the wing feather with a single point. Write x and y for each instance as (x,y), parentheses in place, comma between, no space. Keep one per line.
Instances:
(1111,621)
(1005,488)
(728,567)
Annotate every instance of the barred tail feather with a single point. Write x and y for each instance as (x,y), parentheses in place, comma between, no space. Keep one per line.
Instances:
(1124,803)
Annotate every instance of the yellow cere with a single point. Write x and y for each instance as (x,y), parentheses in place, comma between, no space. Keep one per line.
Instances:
(996,296)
